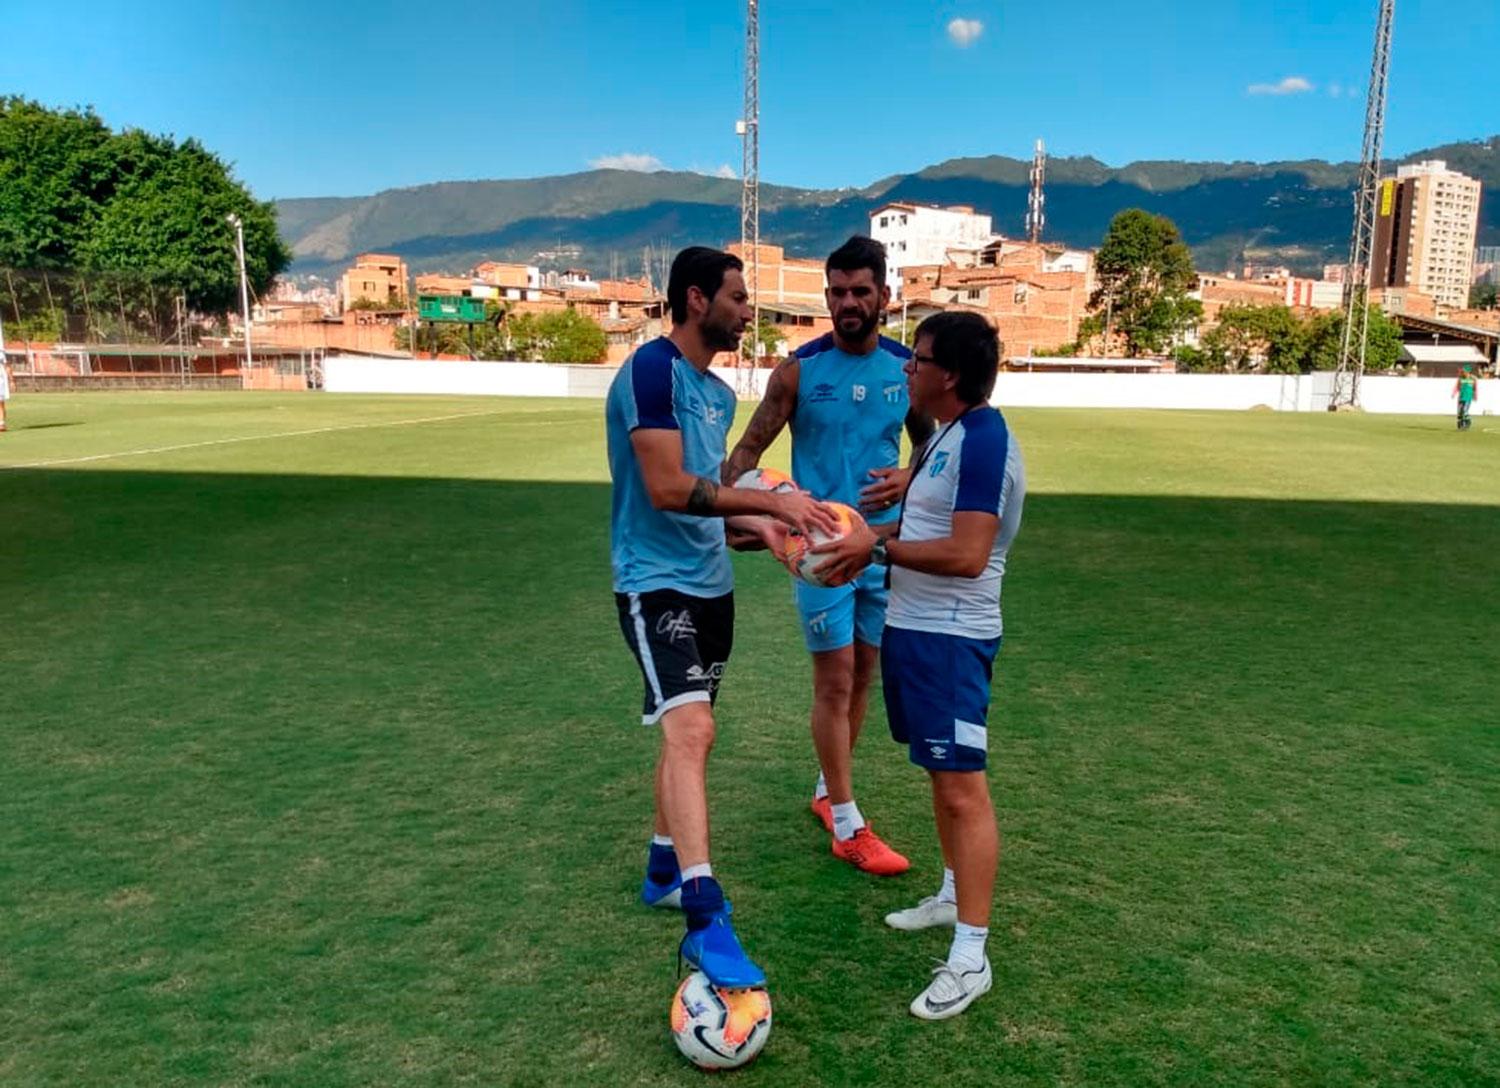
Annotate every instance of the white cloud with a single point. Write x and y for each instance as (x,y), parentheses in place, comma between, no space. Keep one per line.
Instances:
(725,171)
(1289,85)
(628,160)
(964,32)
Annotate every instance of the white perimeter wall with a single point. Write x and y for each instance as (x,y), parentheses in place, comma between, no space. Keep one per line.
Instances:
(1224,392)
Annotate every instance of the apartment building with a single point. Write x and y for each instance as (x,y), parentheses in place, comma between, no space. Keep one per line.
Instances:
(375,277)
(1426,218)
(922,234)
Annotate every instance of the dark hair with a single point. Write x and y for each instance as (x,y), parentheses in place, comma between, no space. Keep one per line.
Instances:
(859,252)
(700,267)
(967,345)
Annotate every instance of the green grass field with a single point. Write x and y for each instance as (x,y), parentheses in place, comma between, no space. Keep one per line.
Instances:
(320,762)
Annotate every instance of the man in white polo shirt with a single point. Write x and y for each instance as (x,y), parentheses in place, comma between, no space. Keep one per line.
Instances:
(962,511)
(4,385)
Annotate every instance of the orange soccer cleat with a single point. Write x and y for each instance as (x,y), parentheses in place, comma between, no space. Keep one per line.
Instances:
(865,851)
(822,808)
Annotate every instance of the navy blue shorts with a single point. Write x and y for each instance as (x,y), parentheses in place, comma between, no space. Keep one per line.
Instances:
(937,696)
(681,643)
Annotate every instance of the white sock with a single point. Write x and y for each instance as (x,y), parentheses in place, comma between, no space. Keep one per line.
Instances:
(948,893)
(693,872)
(820,791)
(967,951)
(846,820)
(662,840)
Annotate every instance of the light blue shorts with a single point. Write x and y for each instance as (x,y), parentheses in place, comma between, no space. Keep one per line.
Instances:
(834,618)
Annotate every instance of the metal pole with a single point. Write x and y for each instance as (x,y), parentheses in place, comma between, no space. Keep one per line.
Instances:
(239,246)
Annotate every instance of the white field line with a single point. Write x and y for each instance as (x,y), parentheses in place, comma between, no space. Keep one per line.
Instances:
(250,438)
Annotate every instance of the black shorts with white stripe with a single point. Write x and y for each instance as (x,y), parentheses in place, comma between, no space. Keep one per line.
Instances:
(681,644)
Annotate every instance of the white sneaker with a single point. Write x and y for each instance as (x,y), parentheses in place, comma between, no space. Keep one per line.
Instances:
(951,992)
(930,912)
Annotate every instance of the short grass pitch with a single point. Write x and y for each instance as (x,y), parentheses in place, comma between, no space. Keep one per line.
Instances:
(320,762)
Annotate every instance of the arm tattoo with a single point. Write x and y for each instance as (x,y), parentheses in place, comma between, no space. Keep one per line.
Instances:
(704,498)
(770,417)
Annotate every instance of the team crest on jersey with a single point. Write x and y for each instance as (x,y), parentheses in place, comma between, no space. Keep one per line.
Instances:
(939,462)
(893,392)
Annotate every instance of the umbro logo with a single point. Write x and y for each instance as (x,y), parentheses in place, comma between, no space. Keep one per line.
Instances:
(939,752)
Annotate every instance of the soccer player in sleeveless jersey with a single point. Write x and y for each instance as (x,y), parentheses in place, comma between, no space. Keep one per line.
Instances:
(844,395)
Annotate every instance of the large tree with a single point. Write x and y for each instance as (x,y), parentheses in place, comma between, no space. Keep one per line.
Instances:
(1144,274)
(145,212)
(1382,341)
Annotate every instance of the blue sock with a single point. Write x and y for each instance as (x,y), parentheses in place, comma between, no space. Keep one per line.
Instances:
(661,864)
(702,898)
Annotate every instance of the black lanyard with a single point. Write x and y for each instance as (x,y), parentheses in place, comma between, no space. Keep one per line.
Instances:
(916,468)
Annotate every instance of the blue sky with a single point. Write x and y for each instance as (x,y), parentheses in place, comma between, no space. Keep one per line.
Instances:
(334,99)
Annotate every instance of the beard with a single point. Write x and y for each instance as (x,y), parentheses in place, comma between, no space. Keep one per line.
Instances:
(723,336)
(866,325)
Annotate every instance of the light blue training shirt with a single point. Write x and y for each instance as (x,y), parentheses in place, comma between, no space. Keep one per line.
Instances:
(654,549)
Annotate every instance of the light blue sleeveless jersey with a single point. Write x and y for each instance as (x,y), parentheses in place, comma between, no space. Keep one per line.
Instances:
(655,549)
(848,419)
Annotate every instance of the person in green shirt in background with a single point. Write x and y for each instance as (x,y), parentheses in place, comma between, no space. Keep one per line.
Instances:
(1465,389)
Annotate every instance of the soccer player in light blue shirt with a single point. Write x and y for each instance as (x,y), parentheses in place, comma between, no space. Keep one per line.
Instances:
(666,420)
(844,396)
(947,560)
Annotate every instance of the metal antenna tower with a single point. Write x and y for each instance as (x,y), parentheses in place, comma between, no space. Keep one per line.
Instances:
(1362,242)
(749,131)
(1035,217)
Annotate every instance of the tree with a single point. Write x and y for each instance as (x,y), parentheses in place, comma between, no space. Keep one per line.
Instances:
(1145,272)
(768,338)
(902,333)
(1483,296)
(1326,341)
(143,211)
(443,337)
(568,336)
(1265,339)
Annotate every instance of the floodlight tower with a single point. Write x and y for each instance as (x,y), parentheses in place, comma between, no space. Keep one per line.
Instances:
(1035,217)
(1362,241)
(749,131)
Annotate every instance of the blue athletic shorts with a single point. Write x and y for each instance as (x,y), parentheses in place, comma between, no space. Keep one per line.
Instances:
(937,696)
(834,618)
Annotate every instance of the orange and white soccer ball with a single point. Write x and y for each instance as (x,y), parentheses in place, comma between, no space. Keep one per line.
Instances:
(799,558)
(719,1029)
(767,479)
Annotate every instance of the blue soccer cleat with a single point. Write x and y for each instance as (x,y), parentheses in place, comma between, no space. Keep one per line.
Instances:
(716,951)
(667,896)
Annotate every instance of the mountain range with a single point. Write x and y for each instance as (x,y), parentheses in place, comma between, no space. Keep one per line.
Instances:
(1293,213)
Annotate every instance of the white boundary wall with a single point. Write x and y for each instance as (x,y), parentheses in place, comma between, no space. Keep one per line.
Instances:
(1221,392)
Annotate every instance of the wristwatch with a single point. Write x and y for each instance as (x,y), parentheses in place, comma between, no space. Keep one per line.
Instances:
(880,553)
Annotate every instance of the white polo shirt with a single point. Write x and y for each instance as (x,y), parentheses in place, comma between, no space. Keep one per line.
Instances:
(974,464)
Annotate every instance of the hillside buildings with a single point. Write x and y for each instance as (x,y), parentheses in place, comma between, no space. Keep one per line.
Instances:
(921,234)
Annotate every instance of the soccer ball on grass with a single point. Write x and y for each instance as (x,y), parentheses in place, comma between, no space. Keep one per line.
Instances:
(719,1029)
